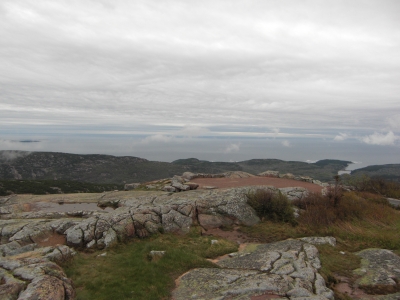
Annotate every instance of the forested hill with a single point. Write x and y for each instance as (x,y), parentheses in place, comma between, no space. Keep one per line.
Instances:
(97,168)
(388,172)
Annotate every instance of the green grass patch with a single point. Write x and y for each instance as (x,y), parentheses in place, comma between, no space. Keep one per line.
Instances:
(127,272)
(269,231)
(333,261)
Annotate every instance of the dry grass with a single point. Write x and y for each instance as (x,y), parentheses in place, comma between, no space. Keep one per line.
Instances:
(319,211)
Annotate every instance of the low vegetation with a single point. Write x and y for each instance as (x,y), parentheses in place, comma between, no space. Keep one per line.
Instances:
(271,206)
(43,187)
(128,272)
(376,185)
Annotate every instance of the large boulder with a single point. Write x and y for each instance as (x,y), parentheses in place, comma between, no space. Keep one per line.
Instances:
(286,269)
(179,183)
(294,193)
(189,175)
(213,221)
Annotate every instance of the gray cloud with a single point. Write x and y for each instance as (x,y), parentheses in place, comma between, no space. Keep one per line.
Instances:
(177,70)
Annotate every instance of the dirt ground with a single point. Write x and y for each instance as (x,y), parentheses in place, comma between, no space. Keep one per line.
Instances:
(276,182)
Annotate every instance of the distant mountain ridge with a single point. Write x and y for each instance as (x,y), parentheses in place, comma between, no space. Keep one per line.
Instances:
(97,168)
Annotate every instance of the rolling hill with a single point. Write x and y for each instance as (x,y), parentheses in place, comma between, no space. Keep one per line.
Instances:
(96,168)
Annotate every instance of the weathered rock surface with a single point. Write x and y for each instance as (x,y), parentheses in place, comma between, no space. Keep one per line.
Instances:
(131,186)
(287,176)
(36,275)
(24,232)
(269,174)
(139,214)
(147,214)
(378,267)
(189,175)
(319,240)
(288,269)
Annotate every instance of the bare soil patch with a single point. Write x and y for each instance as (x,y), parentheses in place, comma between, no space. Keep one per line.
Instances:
(52,240)
(347,287)
(250,181)
(233,235)
(266,297)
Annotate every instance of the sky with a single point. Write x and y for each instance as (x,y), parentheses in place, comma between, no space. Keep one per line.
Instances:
(217,80)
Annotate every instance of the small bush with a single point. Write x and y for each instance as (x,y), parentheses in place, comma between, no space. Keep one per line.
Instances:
(272,206)
(385,188)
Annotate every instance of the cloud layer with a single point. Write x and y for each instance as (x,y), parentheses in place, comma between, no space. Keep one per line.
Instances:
(164,71)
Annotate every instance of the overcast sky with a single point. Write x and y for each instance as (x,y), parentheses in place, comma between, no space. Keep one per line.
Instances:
(222,79)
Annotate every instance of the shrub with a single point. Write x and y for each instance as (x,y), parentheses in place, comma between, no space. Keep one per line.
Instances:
(320,211)
(335,192)
(271,206)
(385,188)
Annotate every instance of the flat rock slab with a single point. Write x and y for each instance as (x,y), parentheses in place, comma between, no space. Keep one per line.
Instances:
(378,267)
(288,269)
(229,284)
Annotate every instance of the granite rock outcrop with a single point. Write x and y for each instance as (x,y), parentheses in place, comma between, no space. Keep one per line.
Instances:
(288,269)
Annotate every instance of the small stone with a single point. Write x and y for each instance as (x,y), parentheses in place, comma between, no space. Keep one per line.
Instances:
(102,255)
(168,188)
(192,185)
(209,187)
(317,240)
(131,186)
(214,242)
(154,253)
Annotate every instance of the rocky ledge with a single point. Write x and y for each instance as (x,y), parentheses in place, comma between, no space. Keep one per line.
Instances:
(138,214)
(286,269)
